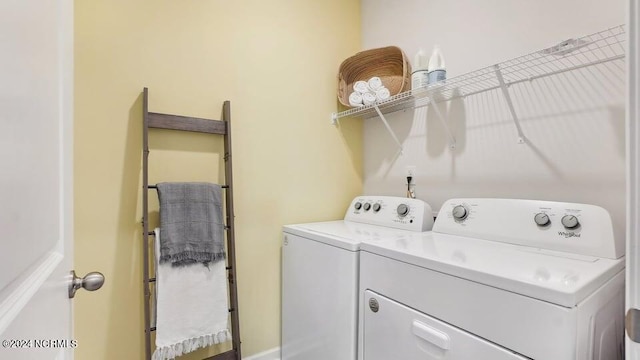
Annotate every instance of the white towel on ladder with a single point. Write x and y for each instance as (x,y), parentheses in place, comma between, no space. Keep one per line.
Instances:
(191,307)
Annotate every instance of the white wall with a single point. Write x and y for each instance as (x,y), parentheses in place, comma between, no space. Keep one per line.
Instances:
(574,122)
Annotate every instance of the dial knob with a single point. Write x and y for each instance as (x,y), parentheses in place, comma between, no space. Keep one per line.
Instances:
(357,205)
(542,219)
(570,222)
(367,206)
(460,212)
(402,210)
(376,207)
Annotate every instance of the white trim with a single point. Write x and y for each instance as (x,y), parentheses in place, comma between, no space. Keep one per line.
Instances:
(66,243)
(62,354)
(272,354)
(633,167)
(26,286)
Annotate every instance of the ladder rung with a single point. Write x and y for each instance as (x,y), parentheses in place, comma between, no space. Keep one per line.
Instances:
(156,186)
(153,233)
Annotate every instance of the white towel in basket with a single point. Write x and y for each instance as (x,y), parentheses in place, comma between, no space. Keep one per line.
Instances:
(369,98)
(361,87)
(355,99)
(191,306)
(382,94)
(374,84)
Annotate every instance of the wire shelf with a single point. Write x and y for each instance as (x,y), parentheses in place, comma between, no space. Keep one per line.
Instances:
(601,47)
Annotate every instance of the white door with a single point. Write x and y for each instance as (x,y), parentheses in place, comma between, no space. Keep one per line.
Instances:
(36,129)
(633,185)
(395,331)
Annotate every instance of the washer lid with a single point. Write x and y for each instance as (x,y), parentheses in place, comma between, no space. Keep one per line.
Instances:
(560,278)
(347,234)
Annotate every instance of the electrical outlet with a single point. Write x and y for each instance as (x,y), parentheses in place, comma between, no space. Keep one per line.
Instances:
(411,170)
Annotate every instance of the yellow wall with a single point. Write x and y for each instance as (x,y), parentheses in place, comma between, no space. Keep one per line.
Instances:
(276,61)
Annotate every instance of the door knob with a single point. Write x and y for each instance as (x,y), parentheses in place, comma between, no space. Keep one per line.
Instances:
(91,282)
(632,324)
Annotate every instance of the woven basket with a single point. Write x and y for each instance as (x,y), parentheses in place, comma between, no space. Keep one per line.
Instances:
(390,64)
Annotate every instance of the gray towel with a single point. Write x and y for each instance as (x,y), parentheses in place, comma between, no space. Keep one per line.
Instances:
(191,223)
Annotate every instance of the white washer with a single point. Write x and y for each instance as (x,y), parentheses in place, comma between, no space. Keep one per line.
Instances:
(497,279)
(320,267)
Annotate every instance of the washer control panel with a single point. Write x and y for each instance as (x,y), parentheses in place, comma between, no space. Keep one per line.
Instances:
(568,227)
(391,211)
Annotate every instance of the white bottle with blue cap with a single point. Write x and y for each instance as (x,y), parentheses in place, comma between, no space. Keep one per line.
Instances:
(420,74)
(437,70)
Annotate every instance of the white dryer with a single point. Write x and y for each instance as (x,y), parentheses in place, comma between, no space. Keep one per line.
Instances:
(497,279)
(320,269)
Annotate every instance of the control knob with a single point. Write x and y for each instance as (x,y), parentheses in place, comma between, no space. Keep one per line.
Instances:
(376,207)
(570,222)
(357,205)
(460,212)
(402,210)
(542,219)
(367,206)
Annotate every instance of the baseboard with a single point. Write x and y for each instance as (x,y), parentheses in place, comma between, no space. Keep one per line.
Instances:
(272,354)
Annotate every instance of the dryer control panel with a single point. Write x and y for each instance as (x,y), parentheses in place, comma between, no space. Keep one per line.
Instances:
(568,227)
(391,211)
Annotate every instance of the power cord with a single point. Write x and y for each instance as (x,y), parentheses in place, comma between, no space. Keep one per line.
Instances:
(410,193)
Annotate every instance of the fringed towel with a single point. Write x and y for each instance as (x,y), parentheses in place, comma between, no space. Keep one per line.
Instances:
(191,307)
(191,223)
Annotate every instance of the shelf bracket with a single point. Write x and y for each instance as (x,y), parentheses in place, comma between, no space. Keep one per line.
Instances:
(507,97)
(386,124)
(452,140)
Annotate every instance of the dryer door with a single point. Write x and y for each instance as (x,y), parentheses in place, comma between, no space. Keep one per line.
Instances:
(394,331)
